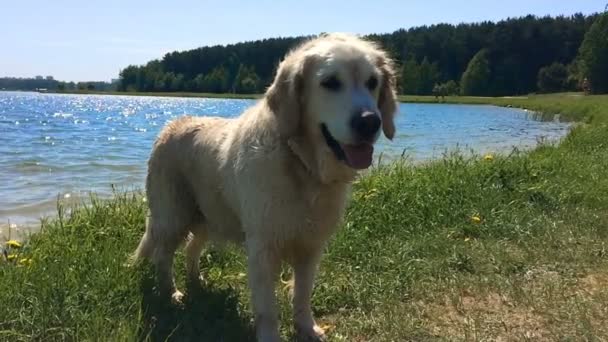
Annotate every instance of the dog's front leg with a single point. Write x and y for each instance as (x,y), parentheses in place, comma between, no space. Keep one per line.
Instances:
(263,264)
(305,267)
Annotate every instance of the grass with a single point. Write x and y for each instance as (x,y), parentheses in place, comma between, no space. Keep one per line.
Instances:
(463,248)
(570,106)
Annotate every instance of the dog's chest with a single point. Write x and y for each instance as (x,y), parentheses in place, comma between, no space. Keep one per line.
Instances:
(321,208)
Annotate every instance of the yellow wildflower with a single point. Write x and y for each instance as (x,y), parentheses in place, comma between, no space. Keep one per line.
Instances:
(475,219)
(25,261)
(370,194)
(488,157)
(11,257)
(13,244)
(327,327)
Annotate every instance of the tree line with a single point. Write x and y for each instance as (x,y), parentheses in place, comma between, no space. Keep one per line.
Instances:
(49,83)
(510,57)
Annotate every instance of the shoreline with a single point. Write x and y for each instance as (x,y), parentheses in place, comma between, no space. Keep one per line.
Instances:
(531,102)
(25,225)
(403,98)
(547,106)
(157,94)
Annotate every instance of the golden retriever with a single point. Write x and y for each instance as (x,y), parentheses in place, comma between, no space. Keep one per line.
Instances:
(275,179)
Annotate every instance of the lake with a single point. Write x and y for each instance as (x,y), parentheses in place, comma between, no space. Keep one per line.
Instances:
(64,146)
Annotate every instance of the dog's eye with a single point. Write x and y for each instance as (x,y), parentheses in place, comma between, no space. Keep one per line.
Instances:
(332,83)
(372,83)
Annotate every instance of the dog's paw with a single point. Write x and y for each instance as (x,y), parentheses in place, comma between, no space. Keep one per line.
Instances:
(310,334)
(177,298)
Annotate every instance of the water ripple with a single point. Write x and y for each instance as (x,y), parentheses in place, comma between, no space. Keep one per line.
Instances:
(54,145)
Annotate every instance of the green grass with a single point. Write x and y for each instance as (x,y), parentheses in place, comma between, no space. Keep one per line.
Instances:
(570,106)
(410,263)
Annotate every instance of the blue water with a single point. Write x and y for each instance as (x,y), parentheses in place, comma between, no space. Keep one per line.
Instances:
(62,146)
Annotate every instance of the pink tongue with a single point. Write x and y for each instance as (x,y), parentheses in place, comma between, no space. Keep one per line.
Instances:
(359,156)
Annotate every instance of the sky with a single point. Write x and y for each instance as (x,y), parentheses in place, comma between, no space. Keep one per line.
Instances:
(93,40)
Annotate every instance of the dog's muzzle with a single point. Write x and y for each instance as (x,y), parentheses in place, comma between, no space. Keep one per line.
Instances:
(358,156)
(366,125)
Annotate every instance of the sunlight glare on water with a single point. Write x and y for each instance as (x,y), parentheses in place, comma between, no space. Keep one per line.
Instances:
(63,146)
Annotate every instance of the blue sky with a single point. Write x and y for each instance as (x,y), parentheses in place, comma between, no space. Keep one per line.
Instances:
(92,40)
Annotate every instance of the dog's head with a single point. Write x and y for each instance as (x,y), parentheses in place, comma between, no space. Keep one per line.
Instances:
(339,92)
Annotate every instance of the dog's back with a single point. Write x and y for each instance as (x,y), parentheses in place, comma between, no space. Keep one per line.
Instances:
(175,173)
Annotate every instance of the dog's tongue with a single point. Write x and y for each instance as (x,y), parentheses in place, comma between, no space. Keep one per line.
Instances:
(359,156)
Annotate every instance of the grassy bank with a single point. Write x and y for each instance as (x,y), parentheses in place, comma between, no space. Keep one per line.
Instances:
(570,106)
(458,249)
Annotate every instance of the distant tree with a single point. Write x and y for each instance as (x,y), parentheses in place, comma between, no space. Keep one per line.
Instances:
(410,77)
(439,91)
(451,87)
(250,85)
(199,82)
(445,89)
(246,80)
(216,81)
(553,78)
(16,83)
(517,48)
(90,86)
(159,84)
(419,79)
(575,75)
(61,87)
(178,83)
(593,55)
(130,78)
(476,79)
(429,75)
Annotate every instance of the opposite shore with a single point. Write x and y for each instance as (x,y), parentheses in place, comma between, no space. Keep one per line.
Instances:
(566,105)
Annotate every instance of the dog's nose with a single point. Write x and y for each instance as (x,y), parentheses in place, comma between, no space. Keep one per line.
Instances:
(366,124)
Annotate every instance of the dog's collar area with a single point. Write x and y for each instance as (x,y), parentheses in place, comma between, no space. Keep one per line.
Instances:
(333,144)
(296,147)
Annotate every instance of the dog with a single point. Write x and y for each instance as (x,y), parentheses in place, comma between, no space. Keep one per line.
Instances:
(275,179)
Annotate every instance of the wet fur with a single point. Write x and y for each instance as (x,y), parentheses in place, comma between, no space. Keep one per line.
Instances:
(266,180)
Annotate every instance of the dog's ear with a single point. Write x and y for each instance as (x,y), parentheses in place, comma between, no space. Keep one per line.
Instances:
(285,96)
(387,99)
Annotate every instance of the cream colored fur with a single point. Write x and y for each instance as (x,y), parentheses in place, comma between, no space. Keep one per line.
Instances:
(267,179)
